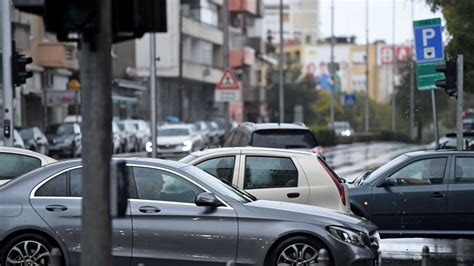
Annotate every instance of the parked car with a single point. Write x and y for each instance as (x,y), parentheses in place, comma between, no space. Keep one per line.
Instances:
(35,140)
(143,133)
(203,129)
(16,162)
(64,139)
(271,135)
(177,215)
(177,141)
(419,193)
(17,140)
(118,138)
(214,132)
(276,174)
(129,132)
(73,118)
(449,141)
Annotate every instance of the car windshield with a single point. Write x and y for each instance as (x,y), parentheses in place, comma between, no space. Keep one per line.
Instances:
(26,133)
(284,138)
(382,169)
(63,129)
(169,132)
(216,184)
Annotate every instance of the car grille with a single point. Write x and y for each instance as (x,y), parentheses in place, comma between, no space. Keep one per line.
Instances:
(167,147)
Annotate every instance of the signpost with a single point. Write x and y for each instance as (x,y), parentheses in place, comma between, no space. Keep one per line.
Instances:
(429,53)
(228,89)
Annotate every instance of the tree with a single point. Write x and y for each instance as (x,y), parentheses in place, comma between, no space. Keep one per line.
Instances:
(460,26)
(298,91)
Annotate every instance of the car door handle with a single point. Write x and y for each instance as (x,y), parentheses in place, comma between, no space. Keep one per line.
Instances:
(149,209)
(56,208)
(293,195)
(438,195)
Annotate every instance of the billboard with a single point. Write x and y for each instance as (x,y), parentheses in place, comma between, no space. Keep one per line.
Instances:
(385,54)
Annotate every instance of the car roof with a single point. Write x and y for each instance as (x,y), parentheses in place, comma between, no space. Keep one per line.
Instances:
(250,149)
(177,126)
(437,152)
(259,126)
(45,159)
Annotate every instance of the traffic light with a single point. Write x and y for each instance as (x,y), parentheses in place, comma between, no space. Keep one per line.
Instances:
(19,72)
(449,83)
(130,18)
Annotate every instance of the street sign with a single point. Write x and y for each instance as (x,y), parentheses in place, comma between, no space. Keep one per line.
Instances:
(428,40)
(426,75)
(429,52)
(228,89)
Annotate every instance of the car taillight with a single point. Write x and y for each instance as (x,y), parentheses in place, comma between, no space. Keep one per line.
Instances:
(335,179)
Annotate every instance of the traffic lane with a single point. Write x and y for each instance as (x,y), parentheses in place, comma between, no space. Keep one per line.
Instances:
(406,251)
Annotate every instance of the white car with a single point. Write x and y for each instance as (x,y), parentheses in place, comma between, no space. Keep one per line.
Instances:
(177,141)
(16,162)
(276,174)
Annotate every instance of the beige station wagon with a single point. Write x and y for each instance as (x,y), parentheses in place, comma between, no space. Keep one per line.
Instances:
(276,174)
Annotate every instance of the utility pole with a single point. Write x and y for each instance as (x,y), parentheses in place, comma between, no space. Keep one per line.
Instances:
(281,80)
(7,74)
(331,69)
(394,65)
(459,105)
(96,76)
(153,93)
(412,80)
(225,19)
(367,65)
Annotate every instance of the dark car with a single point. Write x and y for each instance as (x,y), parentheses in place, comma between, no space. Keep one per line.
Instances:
(64,139)
(271,135)
(35,140)
(419,193)
(177,215)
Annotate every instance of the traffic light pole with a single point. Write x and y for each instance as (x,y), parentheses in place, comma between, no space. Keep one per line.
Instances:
(459,102)
(96,76)
(7,74)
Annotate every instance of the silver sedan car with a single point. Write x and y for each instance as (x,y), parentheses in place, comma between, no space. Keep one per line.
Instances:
(177,215)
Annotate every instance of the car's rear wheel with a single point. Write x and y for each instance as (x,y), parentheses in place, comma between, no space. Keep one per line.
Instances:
(299,250)
(27,249)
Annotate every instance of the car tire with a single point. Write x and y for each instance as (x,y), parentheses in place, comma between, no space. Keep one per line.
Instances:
(37,249)
(285,252)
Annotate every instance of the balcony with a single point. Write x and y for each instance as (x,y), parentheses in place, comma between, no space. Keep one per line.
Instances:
(201,73)
(57,55)
(244,6)
(242,57)
(202,31)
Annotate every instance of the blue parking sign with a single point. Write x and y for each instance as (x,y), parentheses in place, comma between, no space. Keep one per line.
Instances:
(428,40)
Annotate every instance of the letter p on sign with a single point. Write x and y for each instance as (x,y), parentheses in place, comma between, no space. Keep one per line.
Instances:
(428,33)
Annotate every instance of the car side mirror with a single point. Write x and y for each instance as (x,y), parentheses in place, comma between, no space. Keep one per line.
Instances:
(207,199)
(389,182)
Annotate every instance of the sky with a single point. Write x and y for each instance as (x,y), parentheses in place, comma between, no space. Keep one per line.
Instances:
(349,19)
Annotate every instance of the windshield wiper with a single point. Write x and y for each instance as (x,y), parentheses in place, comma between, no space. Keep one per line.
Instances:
(363,177)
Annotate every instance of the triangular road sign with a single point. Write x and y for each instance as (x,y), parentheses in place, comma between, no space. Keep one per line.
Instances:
(228,81)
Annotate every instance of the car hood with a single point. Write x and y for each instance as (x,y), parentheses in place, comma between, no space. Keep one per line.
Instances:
(172,140)
(309,214)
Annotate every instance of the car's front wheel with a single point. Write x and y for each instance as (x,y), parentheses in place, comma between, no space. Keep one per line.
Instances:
(299,250)
(27,249)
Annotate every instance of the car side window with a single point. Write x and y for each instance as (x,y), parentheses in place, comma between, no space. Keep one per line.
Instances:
(269,172)
(221,167)
(75,182)
(464,172)
(56,187)
(154,184)
(421,172)
(14,165)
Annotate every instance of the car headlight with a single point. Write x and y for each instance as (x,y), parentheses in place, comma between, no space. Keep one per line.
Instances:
(187,145)
(347,235)
(148,146)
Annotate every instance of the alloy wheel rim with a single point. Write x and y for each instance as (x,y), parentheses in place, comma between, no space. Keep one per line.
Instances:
(28,253)
(298,254)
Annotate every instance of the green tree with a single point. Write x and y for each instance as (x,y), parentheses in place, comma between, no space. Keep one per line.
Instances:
(298,91)
(460,26)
